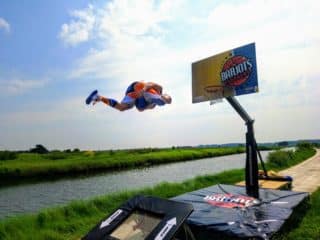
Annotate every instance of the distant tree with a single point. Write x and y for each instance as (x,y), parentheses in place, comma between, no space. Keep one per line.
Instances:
(7,155)
(39,149)
(76,150)
(283,144)
(67,151)
(304,145)
(55,150)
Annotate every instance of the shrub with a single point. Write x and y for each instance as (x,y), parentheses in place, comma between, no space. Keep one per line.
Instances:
(304,145)
(8,155)
(55,155)
(280,158)
(89,153)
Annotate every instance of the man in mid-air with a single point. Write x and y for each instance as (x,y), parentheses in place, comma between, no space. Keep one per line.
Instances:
(140,94)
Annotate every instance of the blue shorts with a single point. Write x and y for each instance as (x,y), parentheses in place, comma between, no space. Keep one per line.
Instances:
(149,100)
(127,99)
(154,99)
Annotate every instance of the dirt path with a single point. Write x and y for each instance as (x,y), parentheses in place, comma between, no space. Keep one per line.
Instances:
(306,176)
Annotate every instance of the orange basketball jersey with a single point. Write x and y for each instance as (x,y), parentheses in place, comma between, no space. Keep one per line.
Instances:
(138,87)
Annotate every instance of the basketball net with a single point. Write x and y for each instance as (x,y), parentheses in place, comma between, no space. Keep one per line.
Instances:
(215,93)
(212,102)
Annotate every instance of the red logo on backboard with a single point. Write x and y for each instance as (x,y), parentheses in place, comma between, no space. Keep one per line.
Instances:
(230,200)
(236,71)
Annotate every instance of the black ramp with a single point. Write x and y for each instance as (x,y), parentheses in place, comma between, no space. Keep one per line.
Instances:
(226,210)
(142,217)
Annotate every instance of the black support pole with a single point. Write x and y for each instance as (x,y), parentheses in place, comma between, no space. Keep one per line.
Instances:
(252,183)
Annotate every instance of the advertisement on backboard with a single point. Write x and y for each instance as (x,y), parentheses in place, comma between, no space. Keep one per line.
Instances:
(231,73)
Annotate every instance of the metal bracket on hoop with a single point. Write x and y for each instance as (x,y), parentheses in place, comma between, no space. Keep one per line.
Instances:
(215,93)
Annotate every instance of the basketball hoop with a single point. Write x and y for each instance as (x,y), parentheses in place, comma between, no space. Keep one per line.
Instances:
(214,93)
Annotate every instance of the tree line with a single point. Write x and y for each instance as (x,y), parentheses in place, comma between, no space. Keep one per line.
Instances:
(39,149)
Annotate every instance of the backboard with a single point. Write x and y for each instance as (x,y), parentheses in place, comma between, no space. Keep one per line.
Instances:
(227,74)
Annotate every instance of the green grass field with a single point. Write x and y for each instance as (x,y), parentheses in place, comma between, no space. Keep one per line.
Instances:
(60,164)
(77,218)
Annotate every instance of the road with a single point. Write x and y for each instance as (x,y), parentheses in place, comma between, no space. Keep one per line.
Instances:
(306,175)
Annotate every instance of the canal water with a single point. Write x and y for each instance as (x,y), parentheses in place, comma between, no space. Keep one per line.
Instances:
(30,198)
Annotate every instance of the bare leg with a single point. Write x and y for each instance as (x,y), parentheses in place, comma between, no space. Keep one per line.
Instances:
(112,103)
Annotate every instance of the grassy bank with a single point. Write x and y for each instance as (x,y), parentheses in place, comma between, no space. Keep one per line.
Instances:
(76,219)
(308,226)
(59,164)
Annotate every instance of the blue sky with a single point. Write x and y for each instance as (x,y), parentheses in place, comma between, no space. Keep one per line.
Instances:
(53,53)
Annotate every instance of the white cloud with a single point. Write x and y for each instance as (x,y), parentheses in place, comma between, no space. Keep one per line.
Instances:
(134,18)
(4,25)
(80,29)
(16,86)
(157,41)
(130,39)
(133,44)
(287,44)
